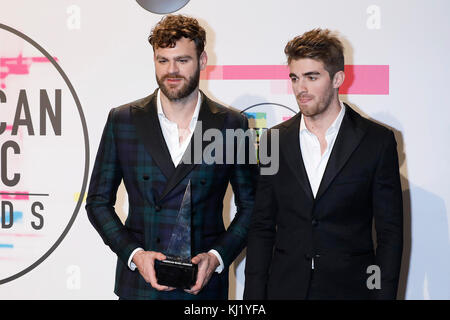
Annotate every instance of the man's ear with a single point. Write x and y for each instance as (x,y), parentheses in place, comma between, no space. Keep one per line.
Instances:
(338,79)
(203,60)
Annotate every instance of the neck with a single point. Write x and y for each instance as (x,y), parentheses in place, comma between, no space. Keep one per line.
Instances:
(320,123)
(180,111)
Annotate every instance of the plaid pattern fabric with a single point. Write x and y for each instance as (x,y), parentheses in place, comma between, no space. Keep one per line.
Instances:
(132,148)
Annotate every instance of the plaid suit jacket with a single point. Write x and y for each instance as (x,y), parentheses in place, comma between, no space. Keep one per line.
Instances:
(133,149)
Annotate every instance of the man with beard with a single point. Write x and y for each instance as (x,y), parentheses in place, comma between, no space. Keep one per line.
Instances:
(149,144)
(311,231)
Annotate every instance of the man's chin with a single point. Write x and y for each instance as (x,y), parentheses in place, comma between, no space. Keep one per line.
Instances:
(172,93)
(306,111)
(177,95)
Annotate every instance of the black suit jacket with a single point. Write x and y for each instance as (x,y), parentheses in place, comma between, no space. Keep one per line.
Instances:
(289,227)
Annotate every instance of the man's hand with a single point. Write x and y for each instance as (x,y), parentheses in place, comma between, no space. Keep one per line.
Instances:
(207,263)
(145,263)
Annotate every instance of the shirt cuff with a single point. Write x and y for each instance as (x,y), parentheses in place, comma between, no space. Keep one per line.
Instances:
(131,264)
(220,267)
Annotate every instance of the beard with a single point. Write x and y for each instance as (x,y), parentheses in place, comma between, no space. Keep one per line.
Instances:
(184,91)
(319,107)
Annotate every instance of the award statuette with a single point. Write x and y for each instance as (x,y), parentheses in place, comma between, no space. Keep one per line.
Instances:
(177,270)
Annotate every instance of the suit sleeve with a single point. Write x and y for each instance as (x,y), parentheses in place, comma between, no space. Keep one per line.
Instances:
(105,179)
(388,214)
(261,238)
(243,182)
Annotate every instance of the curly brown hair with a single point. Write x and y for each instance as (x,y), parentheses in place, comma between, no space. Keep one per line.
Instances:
(172,28)
(319,45)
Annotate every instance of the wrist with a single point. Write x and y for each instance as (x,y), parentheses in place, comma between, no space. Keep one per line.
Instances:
(214,262)
(220,267)
(137,257)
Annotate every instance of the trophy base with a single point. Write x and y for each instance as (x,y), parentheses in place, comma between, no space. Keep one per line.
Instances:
(176,273)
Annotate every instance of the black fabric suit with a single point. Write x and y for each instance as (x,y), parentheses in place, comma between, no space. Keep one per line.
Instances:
(361,184)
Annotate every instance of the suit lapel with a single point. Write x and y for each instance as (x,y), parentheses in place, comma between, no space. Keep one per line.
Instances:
(209,117)
(146,120)
(292,153)
(350,134)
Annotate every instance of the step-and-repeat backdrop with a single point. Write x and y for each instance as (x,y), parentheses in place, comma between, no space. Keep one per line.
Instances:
(65,64)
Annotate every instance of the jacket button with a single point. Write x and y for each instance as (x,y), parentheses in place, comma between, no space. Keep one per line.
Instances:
(203,181)
(157,208)
(145,177)
(158,240)
(315,223)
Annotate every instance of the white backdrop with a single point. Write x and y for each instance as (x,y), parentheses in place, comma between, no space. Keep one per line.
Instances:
(102,47)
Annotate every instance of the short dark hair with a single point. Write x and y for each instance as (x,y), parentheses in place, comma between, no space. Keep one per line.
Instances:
(319,45)
(172,28)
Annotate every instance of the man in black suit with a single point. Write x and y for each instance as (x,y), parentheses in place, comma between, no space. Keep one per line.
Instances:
(311,231)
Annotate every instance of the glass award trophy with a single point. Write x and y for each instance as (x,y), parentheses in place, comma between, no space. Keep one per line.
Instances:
(177,270)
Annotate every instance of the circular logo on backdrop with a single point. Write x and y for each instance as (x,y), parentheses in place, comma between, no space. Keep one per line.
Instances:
(162,6)
(263,116)
(44,154)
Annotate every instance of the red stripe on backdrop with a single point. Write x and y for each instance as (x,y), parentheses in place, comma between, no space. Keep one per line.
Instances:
(360,79)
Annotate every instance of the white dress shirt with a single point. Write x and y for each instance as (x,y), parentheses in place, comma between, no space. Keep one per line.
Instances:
(171,134)
(315,162)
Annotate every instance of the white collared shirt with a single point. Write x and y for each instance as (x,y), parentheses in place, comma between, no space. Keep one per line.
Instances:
(315,162)
(170,133)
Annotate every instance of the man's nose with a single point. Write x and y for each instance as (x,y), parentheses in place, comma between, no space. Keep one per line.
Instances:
(300,87)
(303,87)
(173,67)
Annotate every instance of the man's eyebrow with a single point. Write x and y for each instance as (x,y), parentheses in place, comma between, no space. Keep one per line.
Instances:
(175,58)
(183,57)
(312,73)
(306,74)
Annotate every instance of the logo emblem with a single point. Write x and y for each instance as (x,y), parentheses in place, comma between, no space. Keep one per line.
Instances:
(44,154)
(162,6)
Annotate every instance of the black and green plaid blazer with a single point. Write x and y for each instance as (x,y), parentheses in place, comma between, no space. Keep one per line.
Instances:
(133,149)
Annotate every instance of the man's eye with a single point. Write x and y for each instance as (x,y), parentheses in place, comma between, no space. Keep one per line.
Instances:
(293,79)
(183,60)
(312,78)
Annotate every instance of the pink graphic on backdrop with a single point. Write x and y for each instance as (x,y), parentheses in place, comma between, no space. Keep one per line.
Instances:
(18,66)
(366,79)
(21,235)
(245,72)
(19,131)
(17,195)
(360,79)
